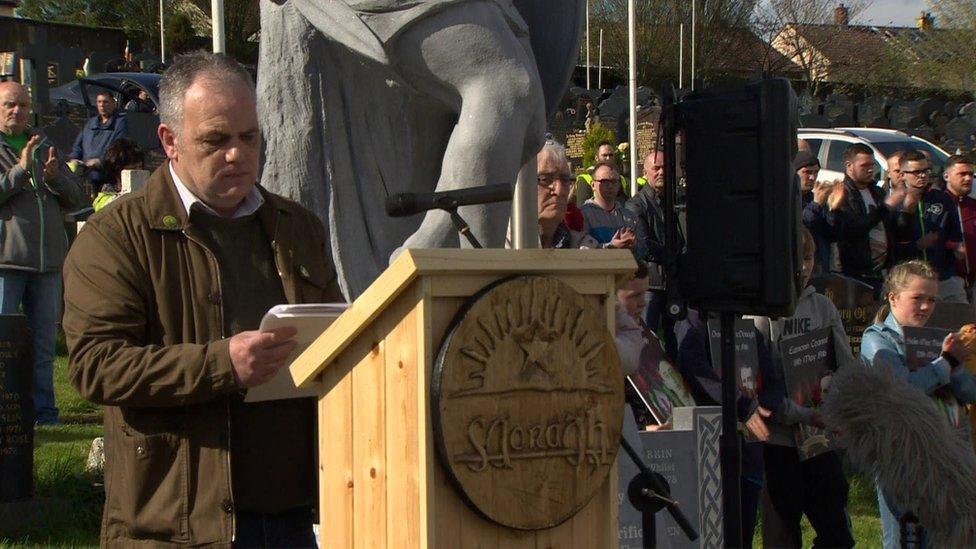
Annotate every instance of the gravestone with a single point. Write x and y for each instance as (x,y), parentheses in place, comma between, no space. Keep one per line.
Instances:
(16,410)
(814,121)
(687,456)
(854,301)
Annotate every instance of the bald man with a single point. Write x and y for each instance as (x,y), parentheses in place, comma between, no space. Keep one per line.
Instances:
(35,185)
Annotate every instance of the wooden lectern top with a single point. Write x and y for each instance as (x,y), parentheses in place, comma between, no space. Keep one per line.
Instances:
(412,264)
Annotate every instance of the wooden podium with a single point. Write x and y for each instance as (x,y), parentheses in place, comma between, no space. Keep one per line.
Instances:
(381,482)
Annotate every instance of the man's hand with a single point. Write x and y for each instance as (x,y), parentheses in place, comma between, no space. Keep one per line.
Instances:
(837,196)
(623,238)
(757,426)
(27,155)
(927,241)
(896,197)
(821,191)
(257,356)
(51,165)
(93,162)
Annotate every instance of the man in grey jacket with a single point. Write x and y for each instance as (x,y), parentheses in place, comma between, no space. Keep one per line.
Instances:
(35,185)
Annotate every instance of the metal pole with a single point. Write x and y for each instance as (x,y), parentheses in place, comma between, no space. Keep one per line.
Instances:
(694,11)
(217,18)
(162,34)
(525,217)
(681,56)
(632,47)
(599,63)
(729,450)
(587,44)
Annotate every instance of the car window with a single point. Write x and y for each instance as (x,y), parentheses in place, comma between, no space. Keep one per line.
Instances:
(814,144)
(835,154)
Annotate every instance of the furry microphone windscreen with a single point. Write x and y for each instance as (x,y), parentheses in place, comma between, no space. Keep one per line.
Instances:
(895,434)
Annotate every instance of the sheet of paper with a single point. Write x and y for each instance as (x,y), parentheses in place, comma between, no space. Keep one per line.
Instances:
(310,319)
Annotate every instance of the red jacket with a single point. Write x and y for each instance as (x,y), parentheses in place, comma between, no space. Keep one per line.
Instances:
(967,215)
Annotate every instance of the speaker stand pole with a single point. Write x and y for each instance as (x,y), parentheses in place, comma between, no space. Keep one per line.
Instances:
(729,445)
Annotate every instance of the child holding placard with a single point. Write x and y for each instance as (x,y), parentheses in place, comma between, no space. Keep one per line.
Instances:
(798,484)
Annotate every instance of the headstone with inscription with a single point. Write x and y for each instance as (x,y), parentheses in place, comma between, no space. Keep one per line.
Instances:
(687,456)
(854,301)
(16,410)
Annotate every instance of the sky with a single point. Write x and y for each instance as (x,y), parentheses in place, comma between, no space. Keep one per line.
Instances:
(900,13)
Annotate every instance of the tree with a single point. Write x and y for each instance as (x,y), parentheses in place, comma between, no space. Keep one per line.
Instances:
(187,21)
(658,32)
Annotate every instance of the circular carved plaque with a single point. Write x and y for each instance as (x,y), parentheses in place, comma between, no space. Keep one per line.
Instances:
(527,400)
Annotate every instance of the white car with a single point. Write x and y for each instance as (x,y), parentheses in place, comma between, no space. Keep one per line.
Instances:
(829,146)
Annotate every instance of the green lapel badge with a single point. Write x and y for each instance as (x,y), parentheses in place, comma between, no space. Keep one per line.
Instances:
(170,222)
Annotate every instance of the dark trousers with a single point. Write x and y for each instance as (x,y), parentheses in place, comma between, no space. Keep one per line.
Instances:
(815,487)
(288,529)
(662,324)
(750,492)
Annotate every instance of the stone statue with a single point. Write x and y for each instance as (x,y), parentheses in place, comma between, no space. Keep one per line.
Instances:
(360,99)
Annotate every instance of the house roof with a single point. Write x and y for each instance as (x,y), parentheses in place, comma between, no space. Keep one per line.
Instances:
(856,52)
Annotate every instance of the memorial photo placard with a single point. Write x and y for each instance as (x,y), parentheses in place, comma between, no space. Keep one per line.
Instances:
(657,384)
(746,353)
(923,344)
(808,363)
(854,301)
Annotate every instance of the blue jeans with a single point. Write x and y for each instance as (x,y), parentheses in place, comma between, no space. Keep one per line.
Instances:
(40,295)
(891,527)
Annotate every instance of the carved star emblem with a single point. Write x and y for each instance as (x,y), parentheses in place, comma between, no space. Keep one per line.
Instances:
(536,353)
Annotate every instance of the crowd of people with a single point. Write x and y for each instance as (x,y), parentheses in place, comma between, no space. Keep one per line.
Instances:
(158,334)
(908,238)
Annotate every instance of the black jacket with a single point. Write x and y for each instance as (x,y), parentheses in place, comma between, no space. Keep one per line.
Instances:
(852,223)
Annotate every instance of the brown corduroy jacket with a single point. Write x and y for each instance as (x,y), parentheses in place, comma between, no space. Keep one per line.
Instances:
(143,318)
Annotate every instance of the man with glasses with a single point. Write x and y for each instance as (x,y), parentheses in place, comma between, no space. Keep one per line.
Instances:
(958,176)
(555,182)
(927,227)
(605,219)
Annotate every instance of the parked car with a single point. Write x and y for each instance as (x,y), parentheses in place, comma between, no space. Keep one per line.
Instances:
(829,146)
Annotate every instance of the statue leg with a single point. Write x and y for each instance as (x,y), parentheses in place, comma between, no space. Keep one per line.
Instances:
(469,58)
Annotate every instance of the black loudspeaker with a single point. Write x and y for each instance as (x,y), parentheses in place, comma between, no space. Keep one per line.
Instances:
(743,245)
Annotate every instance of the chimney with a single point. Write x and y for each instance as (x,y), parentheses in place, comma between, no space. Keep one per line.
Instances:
(841,15)
(925,21)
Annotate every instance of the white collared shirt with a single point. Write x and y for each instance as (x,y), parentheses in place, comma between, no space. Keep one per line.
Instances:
(249,205)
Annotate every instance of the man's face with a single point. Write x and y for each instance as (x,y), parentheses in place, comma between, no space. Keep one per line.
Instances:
(808,176)
(894,171)
(105,104)
(916,174)
(15,107)
(631,297)
(959,179)
(604,153)
(606,183)
(215,149)
(553,188)
(861,169)
(654,170)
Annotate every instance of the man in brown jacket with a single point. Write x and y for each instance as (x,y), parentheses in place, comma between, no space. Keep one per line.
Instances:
(164,293)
